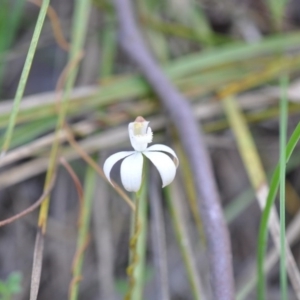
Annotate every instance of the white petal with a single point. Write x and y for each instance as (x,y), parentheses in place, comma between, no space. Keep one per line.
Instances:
(164,164)
(110,162)
(131,172)
(164,148)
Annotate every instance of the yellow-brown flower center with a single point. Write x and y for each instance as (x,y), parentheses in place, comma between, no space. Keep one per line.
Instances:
(137,128)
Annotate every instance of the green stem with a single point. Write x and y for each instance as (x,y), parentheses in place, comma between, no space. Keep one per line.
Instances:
(263,228)
(176,210)
(283,129)
(109,47)
(83,234)
(136,268)
(24,75)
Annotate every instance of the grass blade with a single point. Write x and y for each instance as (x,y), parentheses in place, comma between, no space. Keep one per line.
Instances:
(263,232)
(24,76)
(83,234)
(277,9)
(109,46)
(259,182)
(271,260)
(78,35)
(283,129)
(9,21)
(172,194)
(190,190)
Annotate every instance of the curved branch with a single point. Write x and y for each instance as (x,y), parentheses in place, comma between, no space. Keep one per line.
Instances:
(191,136)
(30,208)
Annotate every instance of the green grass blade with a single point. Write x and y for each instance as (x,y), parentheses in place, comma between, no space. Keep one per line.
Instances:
(277,10)
(263,229)
(175,206)
(24,76)
(240,203)
(239,51)
(120,89)
(84,225)
(78,36)
(109,47)
(157,41)
(29,131)
(9,21)
(283,129)
(258,178)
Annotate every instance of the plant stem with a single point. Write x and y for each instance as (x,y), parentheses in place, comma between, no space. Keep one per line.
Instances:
(136,268)
(83,234)
(283,129)
(24,76)
(258,180)
(263,228)
(173,197)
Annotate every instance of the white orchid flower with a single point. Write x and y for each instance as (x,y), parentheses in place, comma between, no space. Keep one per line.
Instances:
(132,166)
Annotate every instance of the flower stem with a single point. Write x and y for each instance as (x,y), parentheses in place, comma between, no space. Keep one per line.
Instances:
(137,244)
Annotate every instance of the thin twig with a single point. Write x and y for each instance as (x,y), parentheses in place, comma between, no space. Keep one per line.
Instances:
(79,252)
(78,186)
(30,208)
(74,177)
(83,237)
(56,26)
(180,111)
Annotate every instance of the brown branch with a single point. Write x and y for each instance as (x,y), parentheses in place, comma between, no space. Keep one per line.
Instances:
(74,177)
(80,251)
(73,282)
(30,208)
(192,139)
(55,23)
(76,258)
(77,184)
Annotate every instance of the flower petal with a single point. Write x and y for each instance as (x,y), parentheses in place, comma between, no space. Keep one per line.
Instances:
(164,164)
(110,162)
(131,172)
(164,148)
